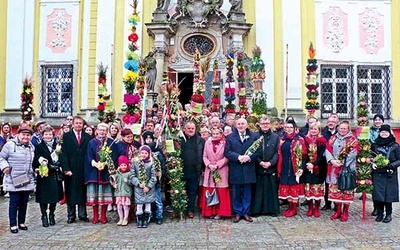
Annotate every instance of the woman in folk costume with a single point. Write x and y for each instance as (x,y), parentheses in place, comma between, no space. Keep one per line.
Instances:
(291,162)
(215,161)
(97,178)
(343,154)
(315,169)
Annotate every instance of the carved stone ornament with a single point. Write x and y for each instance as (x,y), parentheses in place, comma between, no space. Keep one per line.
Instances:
(198,11)
(161,50)
(336,29)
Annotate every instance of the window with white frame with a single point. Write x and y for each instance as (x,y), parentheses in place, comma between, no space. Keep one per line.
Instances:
(339,94)
(336,90)
(374,83)
(56,90)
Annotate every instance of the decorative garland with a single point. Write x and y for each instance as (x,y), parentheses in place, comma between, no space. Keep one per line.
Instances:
(364,162)
(312,104)
(243,110)
(259,97)
(27,99)
(230,86)
(105,108)
(132,81)
(216,91)
(197,99)
(173,149)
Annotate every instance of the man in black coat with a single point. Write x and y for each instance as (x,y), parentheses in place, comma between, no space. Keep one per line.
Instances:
(73,157)
(192,147)
(242,169)
(266,193)
(327,132)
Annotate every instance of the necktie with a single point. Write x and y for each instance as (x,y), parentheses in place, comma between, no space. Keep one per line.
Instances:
(79,138)
(242,136)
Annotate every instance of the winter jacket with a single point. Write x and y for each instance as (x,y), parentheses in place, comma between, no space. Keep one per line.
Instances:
(19,158)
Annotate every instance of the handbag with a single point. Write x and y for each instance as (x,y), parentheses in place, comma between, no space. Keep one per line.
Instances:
(212,198)
(346,179)
(21,180)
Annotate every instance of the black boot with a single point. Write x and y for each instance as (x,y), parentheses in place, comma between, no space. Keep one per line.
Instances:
(43,211)
(52,220)
(379,217)
(146,217)
(45,221)
(139,218)
(388,218)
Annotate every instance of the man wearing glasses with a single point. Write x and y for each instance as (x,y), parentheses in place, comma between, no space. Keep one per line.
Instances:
(266,200)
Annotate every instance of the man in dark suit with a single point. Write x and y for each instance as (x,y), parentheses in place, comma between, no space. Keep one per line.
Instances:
(73,157)
(242,170)
(192,156)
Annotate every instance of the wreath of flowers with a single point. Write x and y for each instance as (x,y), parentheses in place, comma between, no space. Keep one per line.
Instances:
(229,86)
(27,98)
(134,79)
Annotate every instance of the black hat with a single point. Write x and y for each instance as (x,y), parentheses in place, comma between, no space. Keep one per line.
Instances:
(290,121)
(379,116)
(148,134)
(385,127)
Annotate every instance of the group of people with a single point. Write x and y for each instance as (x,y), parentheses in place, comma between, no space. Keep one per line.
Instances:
(219,156)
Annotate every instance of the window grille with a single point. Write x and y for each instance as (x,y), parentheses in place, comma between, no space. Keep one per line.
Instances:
(57,81)
(337,92)
(374,83)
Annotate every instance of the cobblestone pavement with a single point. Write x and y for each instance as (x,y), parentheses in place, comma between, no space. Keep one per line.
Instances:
(299,232)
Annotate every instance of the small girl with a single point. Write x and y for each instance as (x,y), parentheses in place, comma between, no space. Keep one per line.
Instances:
(143,178)
(123,190)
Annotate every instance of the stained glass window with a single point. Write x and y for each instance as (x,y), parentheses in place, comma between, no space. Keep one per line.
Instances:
(203,43)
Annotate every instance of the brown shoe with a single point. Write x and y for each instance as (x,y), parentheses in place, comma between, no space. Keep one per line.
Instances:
(248,218)
(190,215)
(236,219)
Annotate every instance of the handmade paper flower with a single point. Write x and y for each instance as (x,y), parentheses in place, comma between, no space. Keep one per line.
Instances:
(132,65)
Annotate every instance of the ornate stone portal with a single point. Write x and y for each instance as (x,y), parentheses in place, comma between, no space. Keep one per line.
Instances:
(195,24)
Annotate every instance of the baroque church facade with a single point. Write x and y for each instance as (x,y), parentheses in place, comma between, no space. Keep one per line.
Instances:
(61,42)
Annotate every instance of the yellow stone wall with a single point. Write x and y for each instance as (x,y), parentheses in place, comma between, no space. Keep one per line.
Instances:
(307,36)
(279,50)
(91,95)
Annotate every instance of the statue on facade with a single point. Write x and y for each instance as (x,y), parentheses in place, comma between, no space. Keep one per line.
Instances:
(237,6)
(162,5)
(151,73)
